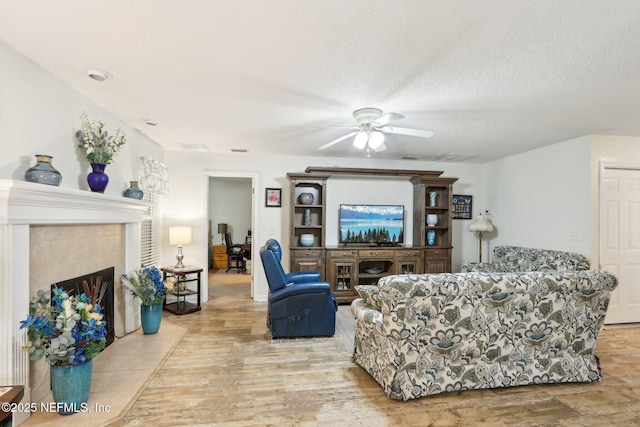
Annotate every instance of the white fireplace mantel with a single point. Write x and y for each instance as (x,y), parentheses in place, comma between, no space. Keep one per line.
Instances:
(23,204)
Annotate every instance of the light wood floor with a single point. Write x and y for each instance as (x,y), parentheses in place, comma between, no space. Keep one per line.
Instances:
(226,371)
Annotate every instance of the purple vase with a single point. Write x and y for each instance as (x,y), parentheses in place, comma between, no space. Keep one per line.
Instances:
(97,179)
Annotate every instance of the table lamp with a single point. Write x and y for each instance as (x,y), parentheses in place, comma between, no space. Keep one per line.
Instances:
(179,236)
(480,224)
(222,228)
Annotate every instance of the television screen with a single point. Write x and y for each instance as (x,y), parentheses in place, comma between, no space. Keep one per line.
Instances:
(371,224)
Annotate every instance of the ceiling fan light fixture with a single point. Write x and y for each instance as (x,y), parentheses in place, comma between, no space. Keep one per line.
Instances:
(376,139)
(360,141)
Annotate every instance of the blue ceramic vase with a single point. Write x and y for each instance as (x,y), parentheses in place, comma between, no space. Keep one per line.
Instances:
(97,179)
(43,171)
(71,385)
(133,192)
(151,316)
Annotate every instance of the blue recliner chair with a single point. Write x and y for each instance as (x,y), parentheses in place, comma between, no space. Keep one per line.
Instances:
(300,305)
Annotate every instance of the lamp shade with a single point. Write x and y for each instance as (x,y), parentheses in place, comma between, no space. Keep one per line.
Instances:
(481,224)
(222,228)
(179,235)
(376,139)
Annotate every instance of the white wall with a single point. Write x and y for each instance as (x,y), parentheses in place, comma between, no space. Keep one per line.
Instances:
(40,114)
(542,198)
(608,149)
(188,173)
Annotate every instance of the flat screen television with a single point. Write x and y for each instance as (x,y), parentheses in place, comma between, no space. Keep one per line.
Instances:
(371,224)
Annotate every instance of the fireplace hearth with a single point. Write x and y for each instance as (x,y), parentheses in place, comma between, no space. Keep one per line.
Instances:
(105,278)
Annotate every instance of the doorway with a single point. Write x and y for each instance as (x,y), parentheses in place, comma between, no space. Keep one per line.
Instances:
(620,238)
(231,207)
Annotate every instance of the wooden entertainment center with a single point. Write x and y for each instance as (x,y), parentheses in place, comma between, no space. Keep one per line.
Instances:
(346,266)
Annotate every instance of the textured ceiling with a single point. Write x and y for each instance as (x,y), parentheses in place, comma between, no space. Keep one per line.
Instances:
(490,78)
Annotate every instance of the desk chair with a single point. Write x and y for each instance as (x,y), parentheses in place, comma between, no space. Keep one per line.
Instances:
(236,256)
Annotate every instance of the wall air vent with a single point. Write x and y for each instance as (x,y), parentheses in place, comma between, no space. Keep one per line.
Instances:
(195,147)
(455,157)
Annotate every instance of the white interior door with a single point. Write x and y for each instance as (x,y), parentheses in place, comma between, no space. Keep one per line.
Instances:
(620,239)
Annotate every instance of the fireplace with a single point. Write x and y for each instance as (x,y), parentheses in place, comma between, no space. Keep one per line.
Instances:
(43,222)
(104,278)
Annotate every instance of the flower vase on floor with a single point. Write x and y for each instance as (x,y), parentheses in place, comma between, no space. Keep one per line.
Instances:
(151,316)
(71,385)
(97,179)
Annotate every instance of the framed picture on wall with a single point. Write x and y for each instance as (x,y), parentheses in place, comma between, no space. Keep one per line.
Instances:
(461,208)
(273,197)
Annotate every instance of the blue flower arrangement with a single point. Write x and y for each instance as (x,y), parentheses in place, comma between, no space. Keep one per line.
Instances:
(147,284)
(69,331)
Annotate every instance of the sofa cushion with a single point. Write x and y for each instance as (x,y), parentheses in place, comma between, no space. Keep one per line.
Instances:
(511,259)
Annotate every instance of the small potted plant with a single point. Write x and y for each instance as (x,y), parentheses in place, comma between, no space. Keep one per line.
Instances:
(148,285)
(68,333)
(100,147)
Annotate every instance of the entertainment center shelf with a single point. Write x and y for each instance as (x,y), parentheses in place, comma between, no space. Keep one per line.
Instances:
(347,266)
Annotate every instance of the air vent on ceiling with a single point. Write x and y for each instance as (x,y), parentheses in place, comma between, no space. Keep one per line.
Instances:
(409,158)
(455,157)
(239,150)
(195,147)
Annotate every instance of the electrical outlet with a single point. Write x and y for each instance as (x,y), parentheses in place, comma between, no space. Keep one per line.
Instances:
(574,236)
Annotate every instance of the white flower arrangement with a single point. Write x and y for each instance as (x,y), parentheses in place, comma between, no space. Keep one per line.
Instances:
(96,141)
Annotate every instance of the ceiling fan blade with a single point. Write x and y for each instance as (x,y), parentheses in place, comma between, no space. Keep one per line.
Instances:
(335,141)
(406,131)
(389,117)
(380,147)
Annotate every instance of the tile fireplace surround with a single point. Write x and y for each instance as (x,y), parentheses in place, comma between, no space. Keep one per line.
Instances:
(25,211)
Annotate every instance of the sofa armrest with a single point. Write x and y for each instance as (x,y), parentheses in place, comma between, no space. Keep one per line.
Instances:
(481,267)
(362,312)
(303,277)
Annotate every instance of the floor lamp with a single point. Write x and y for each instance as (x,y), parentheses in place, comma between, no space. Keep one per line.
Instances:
(481,225)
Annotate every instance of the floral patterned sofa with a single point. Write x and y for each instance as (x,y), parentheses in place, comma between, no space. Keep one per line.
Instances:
(516,258)
(419,335)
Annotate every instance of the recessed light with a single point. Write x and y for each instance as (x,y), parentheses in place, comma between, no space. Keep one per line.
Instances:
(98,75)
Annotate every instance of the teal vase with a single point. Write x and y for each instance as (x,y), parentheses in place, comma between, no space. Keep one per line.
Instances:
(151,316)
(71,385)
(431,237)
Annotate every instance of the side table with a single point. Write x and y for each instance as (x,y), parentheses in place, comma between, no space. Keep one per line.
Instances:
(183,274)
(9,394)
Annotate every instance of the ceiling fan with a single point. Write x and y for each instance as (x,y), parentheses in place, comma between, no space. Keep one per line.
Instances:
(372,125)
